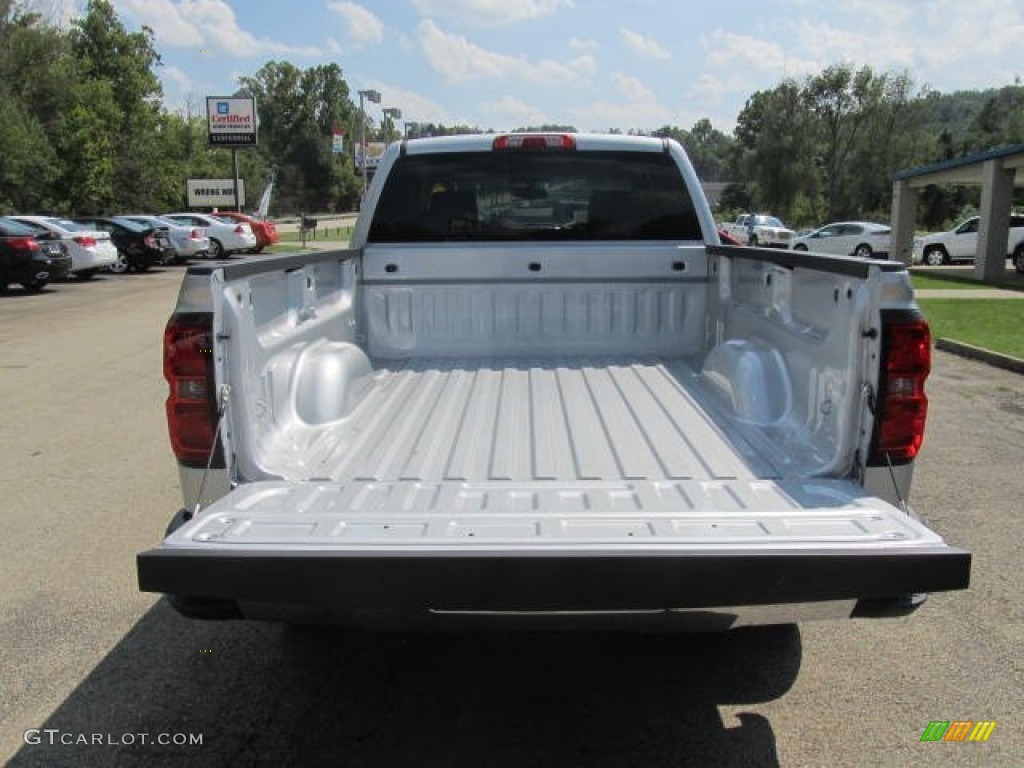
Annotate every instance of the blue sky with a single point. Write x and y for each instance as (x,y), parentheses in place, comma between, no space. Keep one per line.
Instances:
(595,64)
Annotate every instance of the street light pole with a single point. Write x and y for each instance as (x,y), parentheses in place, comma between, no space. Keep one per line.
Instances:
(394,114)
(372,96)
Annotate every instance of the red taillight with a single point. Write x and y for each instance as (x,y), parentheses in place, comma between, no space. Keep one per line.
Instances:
(150,241)
(239,230)
(196,235)
(85,241)
(535,141)
(902,405)
(24,243)
(191,405)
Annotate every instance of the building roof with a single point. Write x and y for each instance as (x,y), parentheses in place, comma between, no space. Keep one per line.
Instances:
(965,170)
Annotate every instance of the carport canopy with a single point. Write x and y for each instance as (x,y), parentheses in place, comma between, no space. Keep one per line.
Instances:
(998,171)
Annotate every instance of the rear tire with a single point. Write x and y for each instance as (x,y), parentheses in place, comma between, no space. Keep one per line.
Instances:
(34,286)
(121,265)
(800,247)
(863,251)
(216,249)
(1018,258)
(85,274)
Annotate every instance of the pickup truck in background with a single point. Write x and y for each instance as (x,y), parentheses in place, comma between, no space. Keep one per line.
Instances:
(536,391)
(758,229)
(961,244)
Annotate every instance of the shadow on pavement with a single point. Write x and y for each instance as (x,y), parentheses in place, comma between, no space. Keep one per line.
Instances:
(263,694)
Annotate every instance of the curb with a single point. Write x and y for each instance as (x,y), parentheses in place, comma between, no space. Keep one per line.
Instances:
(1006,362)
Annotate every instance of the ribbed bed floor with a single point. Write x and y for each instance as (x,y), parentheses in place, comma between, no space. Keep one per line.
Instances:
(523,420)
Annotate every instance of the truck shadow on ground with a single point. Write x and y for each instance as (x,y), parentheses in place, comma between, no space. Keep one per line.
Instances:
(267,695)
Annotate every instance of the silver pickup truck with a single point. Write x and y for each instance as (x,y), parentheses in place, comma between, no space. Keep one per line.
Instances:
(537,391)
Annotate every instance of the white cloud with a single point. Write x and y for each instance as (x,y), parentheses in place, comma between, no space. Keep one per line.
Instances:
(638,107)
(490,12)
(509,113)
(416,108)
(602,115)
(209,25)
(457,59)
(178,77)
(827,44)
(642,45)
(713,89)
(167,20)
(362,27)
(632,88)
(729,52)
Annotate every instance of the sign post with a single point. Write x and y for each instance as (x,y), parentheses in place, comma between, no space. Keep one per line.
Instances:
(231,122)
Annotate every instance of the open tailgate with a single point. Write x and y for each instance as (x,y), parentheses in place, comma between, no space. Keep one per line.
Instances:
(551,546)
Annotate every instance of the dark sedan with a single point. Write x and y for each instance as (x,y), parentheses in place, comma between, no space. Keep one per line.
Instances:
(139,246)
(30,260)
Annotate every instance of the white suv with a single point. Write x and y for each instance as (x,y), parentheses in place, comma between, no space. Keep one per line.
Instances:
(961,244)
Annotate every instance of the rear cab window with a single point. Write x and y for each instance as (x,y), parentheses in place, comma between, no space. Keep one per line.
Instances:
(520,196)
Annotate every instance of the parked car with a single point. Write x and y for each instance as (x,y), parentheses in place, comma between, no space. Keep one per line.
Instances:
(189,241)
(759,230)
(138,246)
(264,229)
(961,243)
(91,250)
(226,237)
(27,260)
(848,238)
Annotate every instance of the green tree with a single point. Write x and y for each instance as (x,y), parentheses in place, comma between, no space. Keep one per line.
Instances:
(25,153)
(775,151)
(121,63)
(36,75)
(299,110)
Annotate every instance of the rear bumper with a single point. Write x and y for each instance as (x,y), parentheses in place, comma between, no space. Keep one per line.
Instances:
(189,248)
(92,258)
(439,582)
(238,244)
(25,273)
(56,266)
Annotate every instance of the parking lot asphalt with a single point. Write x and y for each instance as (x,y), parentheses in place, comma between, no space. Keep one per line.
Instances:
(89,481)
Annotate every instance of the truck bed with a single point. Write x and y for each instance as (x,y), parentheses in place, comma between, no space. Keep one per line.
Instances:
(461,417)
(434,420)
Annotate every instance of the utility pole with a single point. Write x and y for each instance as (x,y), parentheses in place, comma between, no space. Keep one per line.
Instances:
(374,97)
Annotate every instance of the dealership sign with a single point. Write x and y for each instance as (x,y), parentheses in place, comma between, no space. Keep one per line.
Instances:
(214,193)
(231,121)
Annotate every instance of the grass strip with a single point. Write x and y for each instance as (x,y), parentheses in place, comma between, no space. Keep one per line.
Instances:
(993,324)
